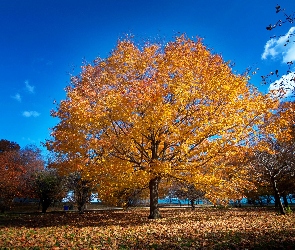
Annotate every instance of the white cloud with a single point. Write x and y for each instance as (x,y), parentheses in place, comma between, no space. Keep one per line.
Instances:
(286,84)
(17,97)
(290,55)
(29,87)
(282,48)
(31,114)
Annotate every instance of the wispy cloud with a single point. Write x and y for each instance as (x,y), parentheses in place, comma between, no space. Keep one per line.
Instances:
(285,84)
(29,87)
(17,97)
(282,48)
(31,114)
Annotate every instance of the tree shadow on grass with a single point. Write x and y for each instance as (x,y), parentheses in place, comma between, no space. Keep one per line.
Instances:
(69,218)
(221,241)
(111,217)
(184,238)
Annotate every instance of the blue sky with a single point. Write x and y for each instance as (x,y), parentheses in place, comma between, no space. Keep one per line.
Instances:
(42,42)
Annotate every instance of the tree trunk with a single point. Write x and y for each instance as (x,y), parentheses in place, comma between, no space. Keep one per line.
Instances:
(45,203)
(154,195)
(81,208)
(277,196)
(193,204)
(81,202)
(276,201)
(2,208)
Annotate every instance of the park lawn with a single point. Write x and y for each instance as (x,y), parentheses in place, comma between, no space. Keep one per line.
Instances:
(203,228)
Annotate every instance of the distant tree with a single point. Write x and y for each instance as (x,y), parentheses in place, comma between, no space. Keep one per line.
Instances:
(188,191)
(131,197)
(6,145)
(274,162)
(262,192)
(152,113)
(270,169)
(11,172)
(16,168)
(82,190)
(32,160)
(287,185)
(48,186)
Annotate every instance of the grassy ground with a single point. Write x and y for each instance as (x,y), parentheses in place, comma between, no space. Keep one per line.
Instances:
(180,228)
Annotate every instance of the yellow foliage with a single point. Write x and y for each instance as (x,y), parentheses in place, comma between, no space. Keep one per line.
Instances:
(176,111)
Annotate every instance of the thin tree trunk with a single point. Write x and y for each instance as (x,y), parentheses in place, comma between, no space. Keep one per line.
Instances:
(81,201)
(81,208)
(82,194)
(193,204)
(154,195)
(276,201)
(277,196)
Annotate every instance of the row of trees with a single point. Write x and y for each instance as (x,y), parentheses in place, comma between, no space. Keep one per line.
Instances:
(155,114)
(24,174)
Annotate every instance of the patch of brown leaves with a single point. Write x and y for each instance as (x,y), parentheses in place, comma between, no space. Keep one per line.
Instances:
(204,228)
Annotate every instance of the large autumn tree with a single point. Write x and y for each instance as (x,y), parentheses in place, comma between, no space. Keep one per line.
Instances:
(153,112)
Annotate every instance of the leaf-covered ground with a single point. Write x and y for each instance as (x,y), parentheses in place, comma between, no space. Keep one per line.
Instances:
(204,228)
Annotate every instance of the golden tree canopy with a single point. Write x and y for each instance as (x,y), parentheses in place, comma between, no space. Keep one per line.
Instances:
(159,112)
